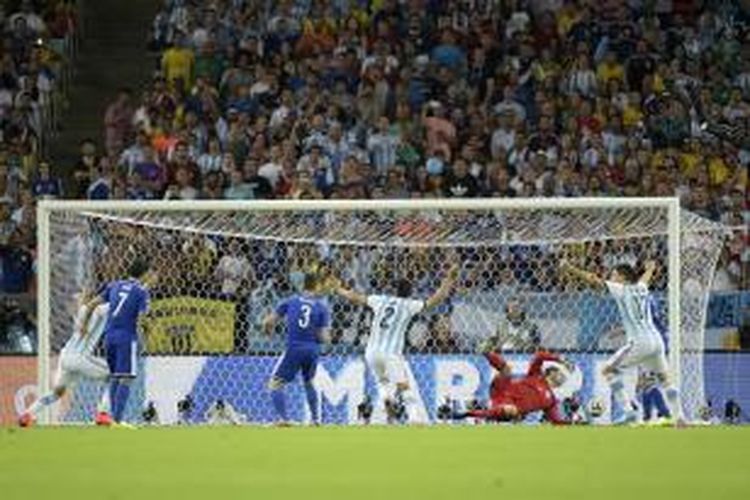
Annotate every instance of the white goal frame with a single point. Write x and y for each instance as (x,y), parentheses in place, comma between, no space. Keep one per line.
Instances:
(46,207)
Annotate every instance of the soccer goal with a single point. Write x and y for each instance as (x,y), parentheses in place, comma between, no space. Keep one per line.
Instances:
(223,265)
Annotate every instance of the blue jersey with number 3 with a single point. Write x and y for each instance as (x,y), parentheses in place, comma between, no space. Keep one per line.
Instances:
(305,317)
(127,299)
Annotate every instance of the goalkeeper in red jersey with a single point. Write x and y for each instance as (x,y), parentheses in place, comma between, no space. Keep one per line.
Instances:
(512,398)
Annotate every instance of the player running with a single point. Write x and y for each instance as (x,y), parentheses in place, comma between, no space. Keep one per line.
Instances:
(392,315)
(512,399)
(307,318)
(128,299)
(644,347)
(77,361)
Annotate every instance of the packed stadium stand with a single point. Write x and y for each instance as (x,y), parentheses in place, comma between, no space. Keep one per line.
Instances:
(387,99)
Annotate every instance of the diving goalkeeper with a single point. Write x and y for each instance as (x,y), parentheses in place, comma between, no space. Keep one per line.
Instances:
(513,398)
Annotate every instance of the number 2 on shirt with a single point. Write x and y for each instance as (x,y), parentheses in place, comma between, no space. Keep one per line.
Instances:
(390,310)
(123,296)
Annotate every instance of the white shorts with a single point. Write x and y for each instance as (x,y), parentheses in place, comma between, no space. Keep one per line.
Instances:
(647,355)
(388,368)
(74,366)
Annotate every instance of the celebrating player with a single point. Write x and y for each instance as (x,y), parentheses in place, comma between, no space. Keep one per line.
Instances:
(512,399)
(391,318)
(127,299)
(307,319)
(77,361)
(645,346)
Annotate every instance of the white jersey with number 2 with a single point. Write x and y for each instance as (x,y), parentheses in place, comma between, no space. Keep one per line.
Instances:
(634,304)
(391,318)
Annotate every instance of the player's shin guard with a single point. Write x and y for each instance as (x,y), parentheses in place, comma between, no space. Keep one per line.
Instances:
(312,402)
(120,400)
(279,403)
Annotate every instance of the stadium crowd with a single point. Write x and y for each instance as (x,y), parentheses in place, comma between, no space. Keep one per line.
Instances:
(38,45)
(413,99)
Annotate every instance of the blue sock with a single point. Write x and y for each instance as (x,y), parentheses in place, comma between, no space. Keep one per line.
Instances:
(120,401)
(113,385)
(312,401)
(279,403)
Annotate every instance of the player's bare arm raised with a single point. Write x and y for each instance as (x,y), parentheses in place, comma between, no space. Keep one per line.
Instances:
(391,320)
(352,296)
(649,269)
(587,277)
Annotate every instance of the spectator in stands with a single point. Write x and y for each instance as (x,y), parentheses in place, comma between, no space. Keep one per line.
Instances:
(441,340)
(30,18)
(45,184)
(85,169)
(118,122)
(184,186)
(17,262)
(426,99)
(517,331)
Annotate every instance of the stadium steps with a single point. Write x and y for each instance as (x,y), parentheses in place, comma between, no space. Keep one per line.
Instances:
(113,54)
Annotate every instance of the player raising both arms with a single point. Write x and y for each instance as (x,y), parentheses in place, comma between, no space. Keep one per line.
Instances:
(307,318)
(77,361)
(513,398)
(645,346)
(127,299)
(392,315)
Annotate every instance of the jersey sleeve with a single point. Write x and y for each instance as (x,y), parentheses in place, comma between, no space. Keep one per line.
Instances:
(496,360)
(282,307)
(535,368)
(103,292)
(616,289)
(324,315)
(415,306)
(374,301)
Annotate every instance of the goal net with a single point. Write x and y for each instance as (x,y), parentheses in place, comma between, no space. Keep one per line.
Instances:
(224,265)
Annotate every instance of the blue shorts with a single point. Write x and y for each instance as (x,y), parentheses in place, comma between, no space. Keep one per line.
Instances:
(122,358)
(297,359)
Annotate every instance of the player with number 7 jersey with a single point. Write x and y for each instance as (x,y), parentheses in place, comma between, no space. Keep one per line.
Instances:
(127,299)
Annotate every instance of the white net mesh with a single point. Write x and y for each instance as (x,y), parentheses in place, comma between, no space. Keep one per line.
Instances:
(221,271)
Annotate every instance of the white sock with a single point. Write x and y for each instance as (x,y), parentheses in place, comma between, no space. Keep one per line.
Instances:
(620,395)
(389,390)
(42,402)
(104,404)
(673,400)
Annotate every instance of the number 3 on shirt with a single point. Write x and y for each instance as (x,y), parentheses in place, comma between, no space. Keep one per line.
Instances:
(304,320)
(123,296)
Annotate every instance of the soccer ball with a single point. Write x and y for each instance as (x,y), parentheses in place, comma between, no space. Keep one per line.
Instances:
(595,408)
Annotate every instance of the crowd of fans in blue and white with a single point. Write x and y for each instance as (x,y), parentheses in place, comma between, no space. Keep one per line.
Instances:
(391,99)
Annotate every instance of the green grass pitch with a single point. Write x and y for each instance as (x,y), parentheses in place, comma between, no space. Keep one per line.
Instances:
(493,462)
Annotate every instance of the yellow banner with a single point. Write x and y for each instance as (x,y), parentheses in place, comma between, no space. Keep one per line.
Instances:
(186,325)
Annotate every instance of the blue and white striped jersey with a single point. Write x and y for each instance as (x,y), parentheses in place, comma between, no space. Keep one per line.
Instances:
(77,344)
(634,303)
(391,318)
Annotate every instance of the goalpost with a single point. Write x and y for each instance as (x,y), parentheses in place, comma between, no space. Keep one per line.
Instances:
(223,264)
